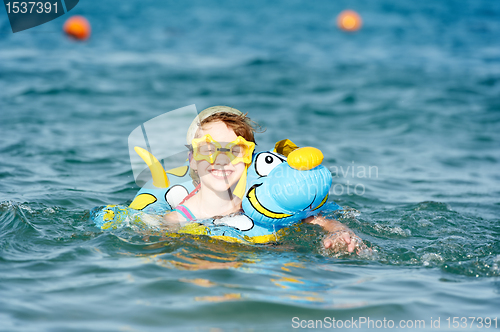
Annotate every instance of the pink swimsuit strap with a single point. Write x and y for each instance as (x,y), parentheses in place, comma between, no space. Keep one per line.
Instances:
(182,209)
(191,194)
(185,212)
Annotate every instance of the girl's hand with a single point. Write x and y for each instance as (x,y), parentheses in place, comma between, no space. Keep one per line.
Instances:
(339,236)
(342,239)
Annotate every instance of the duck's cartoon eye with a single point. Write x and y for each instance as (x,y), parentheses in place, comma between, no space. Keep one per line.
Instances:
(266,162)
(175,195)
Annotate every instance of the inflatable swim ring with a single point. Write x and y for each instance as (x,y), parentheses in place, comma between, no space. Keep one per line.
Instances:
(284,185)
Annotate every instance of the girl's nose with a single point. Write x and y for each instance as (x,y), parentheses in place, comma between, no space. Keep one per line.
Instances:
(222,160)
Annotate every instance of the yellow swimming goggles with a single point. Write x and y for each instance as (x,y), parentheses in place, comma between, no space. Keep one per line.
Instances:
(206,148)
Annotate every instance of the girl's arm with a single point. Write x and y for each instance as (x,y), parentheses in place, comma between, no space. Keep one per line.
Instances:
(339,234)
(173,221)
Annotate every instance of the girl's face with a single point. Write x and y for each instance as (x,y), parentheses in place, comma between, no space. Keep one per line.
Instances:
(221,175)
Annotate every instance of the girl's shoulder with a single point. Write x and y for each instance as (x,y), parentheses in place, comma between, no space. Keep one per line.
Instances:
(174,216)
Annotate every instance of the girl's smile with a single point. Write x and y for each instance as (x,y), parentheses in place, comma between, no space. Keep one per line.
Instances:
(222,174)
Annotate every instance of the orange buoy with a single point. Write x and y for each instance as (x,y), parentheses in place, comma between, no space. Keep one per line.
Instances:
(77,27)
(349,20)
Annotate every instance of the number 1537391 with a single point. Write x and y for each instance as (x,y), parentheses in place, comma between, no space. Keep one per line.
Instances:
(31,7)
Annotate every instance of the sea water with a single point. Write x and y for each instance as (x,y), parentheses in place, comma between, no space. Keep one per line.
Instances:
(406,112)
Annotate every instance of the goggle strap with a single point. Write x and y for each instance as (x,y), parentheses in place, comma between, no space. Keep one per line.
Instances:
(242,184)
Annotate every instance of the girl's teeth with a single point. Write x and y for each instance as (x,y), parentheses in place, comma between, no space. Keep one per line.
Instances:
(220,173)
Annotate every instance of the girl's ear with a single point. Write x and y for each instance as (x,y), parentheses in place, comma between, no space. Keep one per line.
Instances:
(192,163)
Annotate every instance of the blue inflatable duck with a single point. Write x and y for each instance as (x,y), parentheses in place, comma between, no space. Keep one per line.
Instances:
(284,186)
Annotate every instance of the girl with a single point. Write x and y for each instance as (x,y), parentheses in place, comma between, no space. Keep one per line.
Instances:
(221,142)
